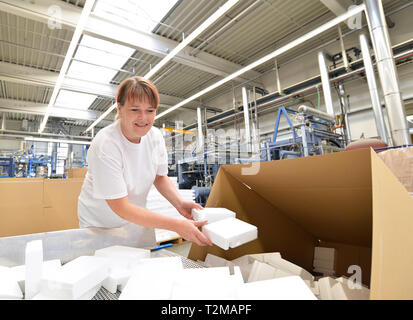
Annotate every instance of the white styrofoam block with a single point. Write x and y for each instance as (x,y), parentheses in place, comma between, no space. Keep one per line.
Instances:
(245,266)
(212,214)
(123,256)
(313,285)
(86,296)
(325,288)
(9,287)
(230,232)
(20,271)
(75,278)
(323,253)
(264,257)
(324,264)
(276,261)
(261,271)
(215,261)
(152,279)
(34,265)
(286,288)
(117,277)
(204,284)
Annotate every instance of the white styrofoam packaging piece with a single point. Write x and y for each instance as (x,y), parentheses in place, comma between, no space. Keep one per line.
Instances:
(33,270)
(286,288)
(152,279)
(9,287)
(245,266)
(345,290)
(212,214)
(86,296)
(230,232)
(75,278)
(123,256)
(215,261)
(116,279)
(20,271)
(323,253)
(325,272)
(205,284)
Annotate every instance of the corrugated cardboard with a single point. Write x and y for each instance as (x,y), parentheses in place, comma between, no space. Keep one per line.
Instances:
(38,205)
(348,200)
(21,206)
(60,203)
(76,172)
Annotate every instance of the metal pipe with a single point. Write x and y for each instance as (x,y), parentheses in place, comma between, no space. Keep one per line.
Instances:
(277,77)
(346,111)
(246,119)
(374,93)
(315,112)
(200,135)
(325,82)
(304,140)
(387,72)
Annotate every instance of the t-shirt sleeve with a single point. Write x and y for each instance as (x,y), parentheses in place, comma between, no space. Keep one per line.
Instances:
(108,182)
(162,167)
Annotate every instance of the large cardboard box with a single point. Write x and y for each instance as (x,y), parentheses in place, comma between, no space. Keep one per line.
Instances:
(38,205)
(77,173)
(348,200)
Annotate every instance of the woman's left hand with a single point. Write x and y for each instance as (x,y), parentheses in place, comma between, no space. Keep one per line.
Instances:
(185,208)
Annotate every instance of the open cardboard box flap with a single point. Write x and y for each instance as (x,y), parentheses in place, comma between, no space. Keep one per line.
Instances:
(347,200)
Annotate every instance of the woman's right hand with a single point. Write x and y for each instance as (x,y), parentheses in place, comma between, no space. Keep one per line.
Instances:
(188,229)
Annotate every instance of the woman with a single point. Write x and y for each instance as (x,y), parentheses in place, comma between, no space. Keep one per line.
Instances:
(124,160)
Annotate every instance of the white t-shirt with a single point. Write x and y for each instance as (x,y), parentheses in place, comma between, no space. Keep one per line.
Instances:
(119,168)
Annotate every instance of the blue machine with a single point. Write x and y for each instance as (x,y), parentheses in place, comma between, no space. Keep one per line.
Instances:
(310,132)
(7,167)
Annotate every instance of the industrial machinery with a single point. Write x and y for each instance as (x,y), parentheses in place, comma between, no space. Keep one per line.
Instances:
(311,132)
(7,167)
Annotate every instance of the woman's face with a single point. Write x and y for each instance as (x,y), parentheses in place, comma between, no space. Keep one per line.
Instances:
(136,119)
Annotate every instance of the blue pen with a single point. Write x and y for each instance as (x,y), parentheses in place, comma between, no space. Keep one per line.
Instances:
(162,246)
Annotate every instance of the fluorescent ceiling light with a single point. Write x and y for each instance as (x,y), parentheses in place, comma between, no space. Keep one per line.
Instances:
(69,54)
(57,140)
(74,100)
(143,15)
(410,118)
(98,60)
(215,16)
(272,55)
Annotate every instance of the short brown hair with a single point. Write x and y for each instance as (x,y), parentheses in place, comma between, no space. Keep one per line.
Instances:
(137,88)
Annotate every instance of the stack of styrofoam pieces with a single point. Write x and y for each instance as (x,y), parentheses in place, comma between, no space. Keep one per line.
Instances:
(212,214)
(286,288)
(122,260)
(34,268)
(342,289)
(20,271)
(324,260)
(9,287)
(223,229)
(207,284)
(152,279)
(80,278)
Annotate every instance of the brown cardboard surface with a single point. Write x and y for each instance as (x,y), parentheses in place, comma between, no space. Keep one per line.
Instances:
(348,200)
(392,258)
(294,243)
(21,207)
(76,172)
(38,205)
(60,203)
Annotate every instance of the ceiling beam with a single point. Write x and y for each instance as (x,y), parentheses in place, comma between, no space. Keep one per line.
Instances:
(31,76)
(27,107)
(142,41)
